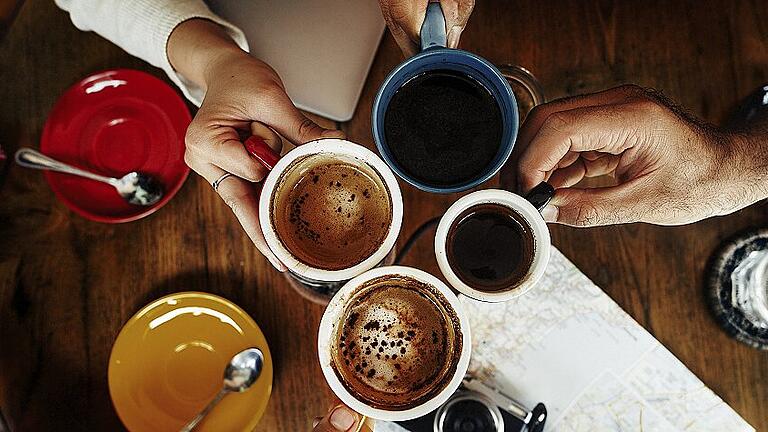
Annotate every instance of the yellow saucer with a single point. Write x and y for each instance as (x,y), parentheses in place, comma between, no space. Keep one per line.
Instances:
(168,362)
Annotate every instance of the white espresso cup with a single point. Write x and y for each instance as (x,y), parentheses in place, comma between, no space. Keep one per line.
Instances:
(348,152)
(528,208)
(331,324)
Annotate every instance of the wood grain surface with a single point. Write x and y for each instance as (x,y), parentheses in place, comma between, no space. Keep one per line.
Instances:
(67,285)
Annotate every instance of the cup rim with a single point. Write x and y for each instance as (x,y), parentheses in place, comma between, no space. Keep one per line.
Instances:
(430,52)
(541,236)
(343,148)
(331,318)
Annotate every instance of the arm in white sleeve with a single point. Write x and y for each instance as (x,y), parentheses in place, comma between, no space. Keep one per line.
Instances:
(142,28)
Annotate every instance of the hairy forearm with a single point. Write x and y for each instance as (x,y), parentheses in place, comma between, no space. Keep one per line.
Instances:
(195,45)
(749,149)
(757,145)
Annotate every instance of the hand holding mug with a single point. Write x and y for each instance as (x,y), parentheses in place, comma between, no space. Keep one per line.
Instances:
(244,96)
(404,18)
(669,168)
(449,140)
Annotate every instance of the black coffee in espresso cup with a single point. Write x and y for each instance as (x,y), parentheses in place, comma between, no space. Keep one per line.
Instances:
(493,245)
(490,247)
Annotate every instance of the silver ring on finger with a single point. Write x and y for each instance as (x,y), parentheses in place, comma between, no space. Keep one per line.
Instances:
(218,181)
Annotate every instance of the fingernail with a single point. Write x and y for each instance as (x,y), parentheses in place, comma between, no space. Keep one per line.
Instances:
(332,133)
(550,213)
(342,418)
(453,36)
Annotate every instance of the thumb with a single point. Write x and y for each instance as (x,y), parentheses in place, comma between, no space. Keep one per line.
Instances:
(339,419)
(404,18)
(595,206)
(457,14)
(299,129)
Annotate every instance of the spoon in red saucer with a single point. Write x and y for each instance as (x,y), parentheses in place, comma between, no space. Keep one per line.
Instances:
(135,187)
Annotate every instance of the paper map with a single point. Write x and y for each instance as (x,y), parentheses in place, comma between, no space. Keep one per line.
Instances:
(567,344)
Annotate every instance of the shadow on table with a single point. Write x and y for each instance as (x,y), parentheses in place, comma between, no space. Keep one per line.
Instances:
(187,281)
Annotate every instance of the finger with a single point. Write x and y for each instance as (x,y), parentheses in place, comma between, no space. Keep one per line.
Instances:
(568,176)
(243,198)
(231,156)
(404,41)
(340,419)
(591,155)
(604,128)
(601,166)
(316,421)
(221,146)
(457,14)
(597,206)
(540,113)
(526,180)
(289,122)
(569,167)
(271,137)
(404,19)
(568,159)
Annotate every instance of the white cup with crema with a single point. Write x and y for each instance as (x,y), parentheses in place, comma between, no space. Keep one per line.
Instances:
(394,343)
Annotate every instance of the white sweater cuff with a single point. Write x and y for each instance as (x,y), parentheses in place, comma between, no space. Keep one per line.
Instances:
(164,25)
(142,28)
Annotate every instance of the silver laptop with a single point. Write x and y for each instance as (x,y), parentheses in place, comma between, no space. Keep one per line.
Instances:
(322,49)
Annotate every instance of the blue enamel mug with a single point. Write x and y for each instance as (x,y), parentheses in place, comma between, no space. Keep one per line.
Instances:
(434,56)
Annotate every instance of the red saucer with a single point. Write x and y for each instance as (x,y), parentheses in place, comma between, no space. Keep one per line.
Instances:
(114,122)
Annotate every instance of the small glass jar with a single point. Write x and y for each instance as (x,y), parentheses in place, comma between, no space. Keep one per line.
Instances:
(525,86)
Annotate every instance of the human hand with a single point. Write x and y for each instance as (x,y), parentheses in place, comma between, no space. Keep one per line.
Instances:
(243,96)
(404,19)
(339,418)
(668,168)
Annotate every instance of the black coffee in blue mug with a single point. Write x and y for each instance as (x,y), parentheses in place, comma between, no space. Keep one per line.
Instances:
(445,120)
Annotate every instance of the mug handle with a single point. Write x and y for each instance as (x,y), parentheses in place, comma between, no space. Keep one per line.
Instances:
(432,33)
(540,195)
(259,149)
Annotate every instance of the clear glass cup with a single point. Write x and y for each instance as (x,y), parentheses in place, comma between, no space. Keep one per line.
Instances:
(525,86)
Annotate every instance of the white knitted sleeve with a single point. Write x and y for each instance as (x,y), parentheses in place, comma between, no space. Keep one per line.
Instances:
(142,28)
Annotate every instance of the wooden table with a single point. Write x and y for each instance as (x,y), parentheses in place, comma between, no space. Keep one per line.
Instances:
(67,285)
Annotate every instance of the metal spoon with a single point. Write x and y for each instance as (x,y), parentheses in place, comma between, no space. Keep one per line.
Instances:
(134,187)
(241,372)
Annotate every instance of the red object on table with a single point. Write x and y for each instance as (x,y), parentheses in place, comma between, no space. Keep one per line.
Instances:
(111,123)
(259,149)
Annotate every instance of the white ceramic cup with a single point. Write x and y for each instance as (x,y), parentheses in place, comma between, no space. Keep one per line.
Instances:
(348,151)
(332,318)
(541,239)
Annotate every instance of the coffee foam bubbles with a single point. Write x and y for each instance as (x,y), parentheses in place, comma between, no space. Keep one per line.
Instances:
(331,212)
(397,345)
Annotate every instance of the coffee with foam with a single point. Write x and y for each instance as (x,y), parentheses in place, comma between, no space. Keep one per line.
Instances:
(330,211)
(398,343)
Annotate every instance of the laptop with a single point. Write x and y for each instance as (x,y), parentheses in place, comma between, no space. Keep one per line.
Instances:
(322,49)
